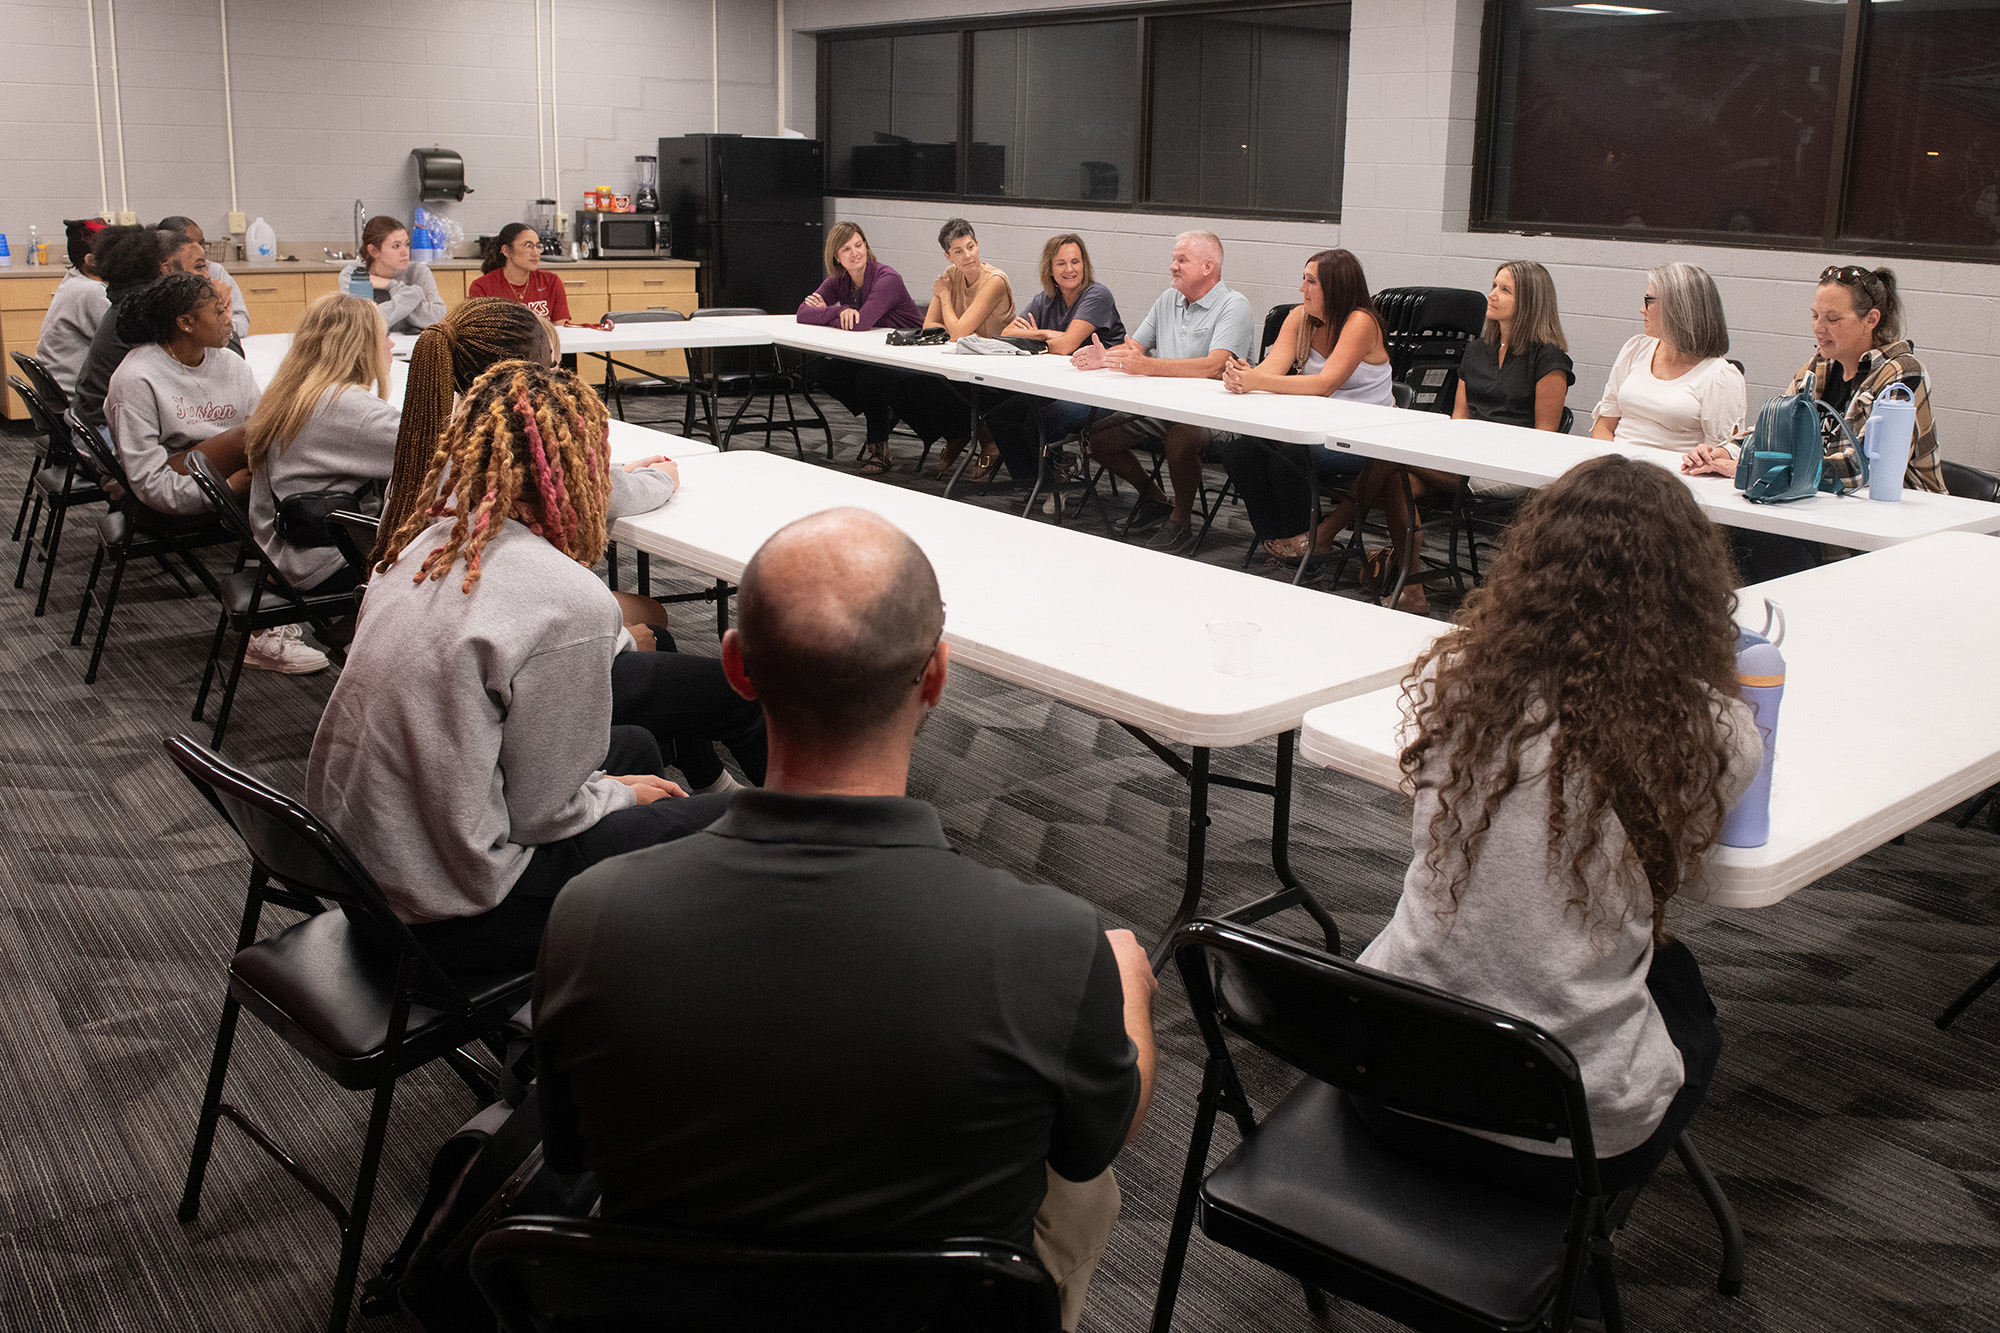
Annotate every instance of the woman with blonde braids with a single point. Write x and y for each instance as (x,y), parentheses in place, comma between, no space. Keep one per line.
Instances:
(1577,741)
(686,702)
(467,754)
(311,436)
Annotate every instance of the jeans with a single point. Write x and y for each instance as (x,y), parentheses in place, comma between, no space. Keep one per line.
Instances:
(1271,479)
(1013,424)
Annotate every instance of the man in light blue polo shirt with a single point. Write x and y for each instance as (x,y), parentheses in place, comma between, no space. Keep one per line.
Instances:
(1192,330)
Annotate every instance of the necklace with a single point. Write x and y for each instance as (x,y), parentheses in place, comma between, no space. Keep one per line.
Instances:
(520,292)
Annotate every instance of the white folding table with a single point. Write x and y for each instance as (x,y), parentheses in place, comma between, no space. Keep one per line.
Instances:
(1889,715)
(1537,457)
(1114,629)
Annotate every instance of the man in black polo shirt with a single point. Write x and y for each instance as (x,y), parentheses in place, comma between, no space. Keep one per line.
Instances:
(815,1022)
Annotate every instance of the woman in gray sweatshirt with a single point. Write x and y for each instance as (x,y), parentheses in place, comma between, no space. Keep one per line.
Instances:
(75,311)
(1592,690)
(406,292)
(323,427)
(467,754)
(177,390)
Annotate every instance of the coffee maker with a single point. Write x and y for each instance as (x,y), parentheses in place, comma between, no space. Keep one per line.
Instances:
(542,217)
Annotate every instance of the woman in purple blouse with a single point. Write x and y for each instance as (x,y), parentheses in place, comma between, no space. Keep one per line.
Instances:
(860,292)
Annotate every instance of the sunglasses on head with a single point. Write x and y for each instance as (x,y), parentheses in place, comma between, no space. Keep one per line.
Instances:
(1850,274)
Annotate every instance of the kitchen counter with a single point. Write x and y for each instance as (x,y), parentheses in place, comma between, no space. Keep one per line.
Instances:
(20,270)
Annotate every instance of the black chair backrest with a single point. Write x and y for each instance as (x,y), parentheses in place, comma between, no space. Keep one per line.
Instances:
(1404,395)
(45,384)
(354,536)
(1406,1046)
(1274,320)
(291,844)
(50,424)
(234,513)
(707,311)
(1970,483)
(98,449)
(562,1275)
(644,316)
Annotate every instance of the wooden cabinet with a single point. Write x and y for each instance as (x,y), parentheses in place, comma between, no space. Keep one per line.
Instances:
(23,302)
(451,283)
(648,289)
(276,301)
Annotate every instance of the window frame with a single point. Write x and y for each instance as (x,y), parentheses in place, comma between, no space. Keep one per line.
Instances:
(1142,139)
(1832,238)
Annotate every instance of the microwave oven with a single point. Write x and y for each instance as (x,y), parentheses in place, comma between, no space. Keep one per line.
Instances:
(625,235)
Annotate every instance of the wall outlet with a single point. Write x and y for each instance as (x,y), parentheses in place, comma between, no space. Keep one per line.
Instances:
(562,224)
(237,224)
(128,219)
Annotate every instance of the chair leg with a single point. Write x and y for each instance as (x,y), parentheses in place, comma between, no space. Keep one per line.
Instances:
(356,1229)
(211,1110)
(28,497)
(1183,1226)
(57,515)
(1967,996)
(208,672)
(104,612)
(229,690)
(89,595)
(1730,1281)
(28,546)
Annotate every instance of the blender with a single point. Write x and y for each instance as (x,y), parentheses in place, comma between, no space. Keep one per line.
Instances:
(646,199)
(542,217)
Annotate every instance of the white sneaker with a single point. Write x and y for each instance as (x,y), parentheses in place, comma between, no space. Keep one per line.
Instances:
(726,783)
(284,650)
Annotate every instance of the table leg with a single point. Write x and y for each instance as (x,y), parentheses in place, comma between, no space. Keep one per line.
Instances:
(1197,855)
(971,450)
(645,572)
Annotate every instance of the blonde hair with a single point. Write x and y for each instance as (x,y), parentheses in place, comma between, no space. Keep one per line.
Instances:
(838,235)
(1535,317)
(525,433)
(338,346)
(1690,310)
(1049,248)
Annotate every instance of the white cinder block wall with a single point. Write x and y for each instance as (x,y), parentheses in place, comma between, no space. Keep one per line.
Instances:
(1412,88)
(330,97)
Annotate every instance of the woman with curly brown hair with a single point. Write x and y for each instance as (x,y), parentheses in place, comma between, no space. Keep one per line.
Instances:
(465,751)
(1576,742)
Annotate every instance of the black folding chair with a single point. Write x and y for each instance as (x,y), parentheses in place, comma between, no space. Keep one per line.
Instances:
(614,388)
(252,599)
(564,1275)
(351,990)
(45,384)
(732,372)
(60,480)
(133,529)
(1313,1192)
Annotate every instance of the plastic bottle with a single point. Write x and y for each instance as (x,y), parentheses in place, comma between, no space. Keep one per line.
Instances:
(6,259)
(358,282)
(1760,675)
(420,238)
(262,241)
(34,245)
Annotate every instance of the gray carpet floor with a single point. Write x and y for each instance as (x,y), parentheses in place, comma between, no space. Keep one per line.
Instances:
(1858,1142)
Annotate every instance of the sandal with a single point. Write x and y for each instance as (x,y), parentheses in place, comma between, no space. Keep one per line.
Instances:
(874,460)
(949,456)
(982,467)
(1287,550)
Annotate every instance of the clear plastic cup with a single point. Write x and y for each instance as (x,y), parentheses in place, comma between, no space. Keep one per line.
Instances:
(1234,643)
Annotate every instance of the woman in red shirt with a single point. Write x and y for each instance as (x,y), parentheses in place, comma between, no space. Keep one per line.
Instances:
(511,269)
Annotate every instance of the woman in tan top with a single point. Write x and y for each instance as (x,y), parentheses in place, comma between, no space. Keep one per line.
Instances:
(970,297)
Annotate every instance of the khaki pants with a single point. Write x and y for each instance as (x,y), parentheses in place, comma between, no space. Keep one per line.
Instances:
(1071,1231)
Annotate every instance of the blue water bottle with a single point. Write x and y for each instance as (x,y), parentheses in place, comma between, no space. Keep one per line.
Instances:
(1886,439)
(1760,676)
(358,283)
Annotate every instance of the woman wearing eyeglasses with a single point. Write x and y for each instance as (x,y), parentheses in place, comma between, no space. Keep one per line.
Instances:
(1671,387)
(1860,350)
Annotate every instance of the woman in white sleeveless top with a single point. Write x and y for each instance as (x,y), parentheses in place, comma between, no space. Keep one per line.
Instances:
(1331,345)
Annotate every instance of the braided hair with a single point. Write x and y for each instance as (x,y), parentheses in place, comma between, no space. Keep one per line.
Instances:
(152,314)
(448,357)
(527,434)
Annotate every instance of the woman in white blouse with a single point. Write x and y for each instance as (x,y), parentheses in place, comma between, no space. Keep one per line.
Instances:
(1671,387)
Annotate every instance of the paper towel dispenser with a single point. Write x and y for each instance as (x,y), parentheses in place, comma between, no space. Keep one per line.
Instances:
(440,174)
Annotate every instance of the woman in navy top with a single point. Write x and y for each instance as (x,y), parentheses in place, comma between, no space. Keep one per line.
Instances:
(1070,310)
(860,292)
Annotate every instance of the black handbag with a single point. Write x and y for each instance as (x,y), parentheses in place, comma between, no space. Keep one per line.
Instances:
(302,518)
(918,337)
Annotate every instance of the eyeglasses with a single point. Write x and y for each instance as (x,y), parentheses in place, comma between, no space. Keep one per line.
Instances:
(1650,299)
(1850,274)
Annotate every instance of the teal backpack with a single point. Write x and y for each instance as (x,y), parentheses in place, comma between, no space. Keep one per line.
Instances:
(1784,458)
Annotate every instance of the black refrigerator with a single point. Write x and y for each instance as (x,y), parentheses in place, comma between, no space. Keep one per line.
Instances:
(751,211)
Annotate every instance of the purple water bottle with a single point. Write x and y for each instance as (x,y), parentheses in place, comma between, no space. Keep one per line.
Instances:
(1760,675)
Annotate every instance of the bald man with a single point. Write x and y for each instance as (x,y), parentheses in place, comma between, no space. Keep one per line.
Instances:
(1193,329)
(814,1022)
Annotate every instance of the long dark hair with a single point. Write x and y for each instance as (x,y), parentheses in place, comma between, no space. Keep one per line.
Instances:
(1605,626)
(380,228)
(490,256)
(1344,289)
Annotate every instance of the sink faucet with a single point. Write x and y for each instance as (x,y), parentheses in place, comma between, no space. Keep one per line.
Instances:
(360,221)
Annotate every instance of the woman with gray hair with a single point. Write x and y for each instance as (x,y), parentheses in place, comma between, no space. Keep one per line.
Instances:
(1671,387)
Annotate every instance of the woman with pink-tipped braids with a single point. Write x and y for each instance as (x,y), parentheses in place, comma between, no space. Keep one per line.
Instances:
(469,755)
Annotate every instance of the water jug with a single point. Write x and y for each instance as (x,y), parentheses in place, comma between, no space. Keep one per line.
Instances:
(1760,676)
(262,242)
(1886,441)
